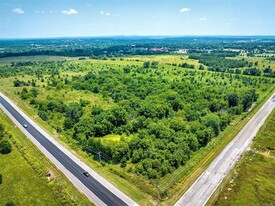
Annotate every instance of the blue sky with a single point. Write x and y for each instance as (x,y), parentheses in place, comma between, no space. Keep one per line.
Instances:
(62,18)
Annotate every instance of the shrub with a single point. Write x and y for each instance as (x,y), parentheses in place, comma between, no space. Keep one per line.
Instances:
(5,147)
(43,115)
(10,203)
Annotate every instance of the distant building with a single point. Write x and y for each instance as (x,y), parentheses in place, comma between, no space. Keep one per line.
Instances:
(182,51)
(159,49)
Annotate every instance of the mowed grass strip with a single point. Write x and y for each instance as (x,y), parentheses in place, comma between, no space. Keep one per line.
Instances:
(252,180)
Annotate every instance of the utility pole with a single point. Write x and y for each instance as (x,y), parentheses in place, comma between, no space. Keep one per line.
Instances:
(158,187)
(99,156)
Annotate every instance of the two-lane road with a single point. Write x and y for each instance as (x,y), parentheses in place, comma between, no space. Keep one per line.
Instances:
(97,191)
(200,192)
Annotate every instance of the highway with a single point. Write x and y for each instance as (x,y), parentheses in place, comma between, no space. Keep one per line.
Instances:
(202,189)
(97,189)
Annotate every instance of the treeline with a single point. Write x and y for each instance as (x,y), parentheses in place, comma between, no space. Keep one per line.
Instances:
(218,60)
(118,46)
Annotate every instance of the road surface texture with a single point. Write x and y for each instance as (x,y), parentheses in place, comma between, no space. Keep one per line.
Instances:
(200,192)
(95,187)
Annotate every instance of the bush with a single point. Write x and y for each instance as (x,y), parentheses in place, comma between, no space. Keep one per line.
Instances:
(43,115)
(10,203)
(0,179)
(5,147)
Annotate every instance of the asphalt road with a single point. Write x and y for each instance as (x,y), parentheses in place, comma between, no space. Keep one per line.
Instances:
(200,192)
(90,182)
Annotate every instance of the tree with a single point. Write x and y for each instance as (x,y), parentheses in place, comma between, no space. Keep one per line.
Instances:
(24,93)
(0,179)
(74,111)
(267,70)
(152,173)
(34,92)
(248,98)
(212,120)
(5,147)
(43,115)
(233,99)
(146,64)
(123,162)
(68,123)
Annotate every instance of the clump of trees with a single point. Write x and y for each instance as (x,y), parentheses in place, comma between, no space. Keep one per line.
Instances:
(216,60)
(252,71)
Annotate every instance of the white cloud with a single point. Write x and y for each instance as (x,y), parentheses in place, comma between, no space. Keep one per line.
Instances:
(105,13)
(203,19)
(18,11)
(183,10)
(69,11)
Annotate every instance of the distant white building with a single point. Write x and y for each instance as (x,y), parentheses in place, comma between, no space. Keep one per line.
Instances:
(182,51)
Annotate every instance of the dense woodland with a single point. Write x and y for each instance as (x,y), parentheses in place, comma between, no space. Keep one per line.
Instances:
(163,115)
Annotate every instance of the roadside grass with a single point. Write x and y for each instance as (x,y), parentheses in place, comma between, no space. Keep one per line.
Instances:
(24,175)
(252,181)
(265,139)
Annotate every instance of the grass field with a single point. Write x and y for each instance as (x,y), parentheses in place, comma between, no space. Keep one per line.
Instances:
(24,175)
(252,180)
(21,184)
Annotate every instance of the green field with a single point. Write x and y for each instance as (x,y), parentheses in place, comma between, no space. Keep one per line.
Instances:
(252,180)
(24,175)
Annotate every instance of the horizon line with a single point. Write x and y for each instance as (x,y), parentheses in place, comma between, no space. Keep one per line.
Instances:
(125,36)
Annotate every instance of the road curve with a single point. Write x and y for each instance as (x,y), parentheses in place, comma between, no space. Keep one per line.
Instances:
(96,188)
(200,192)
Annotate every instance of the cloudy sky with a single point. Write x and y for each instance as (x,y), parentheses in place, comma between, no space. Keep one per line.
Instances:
(62,18)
